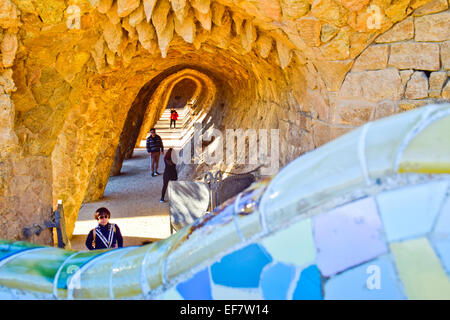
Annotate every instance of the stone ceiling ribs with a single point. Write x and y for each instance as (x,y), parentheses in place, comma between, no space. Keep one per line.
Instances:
(321,31)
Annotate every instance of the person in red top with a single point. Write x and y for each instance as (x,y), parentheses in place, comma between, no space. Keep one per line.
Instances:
(173,118)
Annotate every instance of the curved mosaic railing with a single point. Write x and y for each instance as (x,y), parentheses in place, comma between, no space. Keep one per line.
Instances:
(366,216)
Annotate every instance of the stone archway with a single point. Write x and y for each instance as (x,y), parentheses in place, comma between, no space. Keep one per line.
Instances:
(182,93)
(204,96)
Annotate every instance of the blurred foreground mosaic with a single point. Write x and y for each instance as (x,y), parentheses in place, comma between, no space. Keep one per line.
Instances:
(366,216)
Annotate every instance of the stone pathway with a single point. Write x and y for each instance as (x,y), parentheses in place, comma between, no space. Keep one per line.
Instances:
(133,196)
(133,200)
(173,138)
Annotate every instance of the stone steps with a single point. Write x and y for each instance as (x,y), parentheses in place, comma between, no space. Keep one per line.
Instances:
(172,138)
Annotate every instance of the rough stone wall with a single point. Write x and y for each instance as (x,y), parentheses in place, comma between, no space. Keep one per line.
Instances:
(65,93)
(406,67)
(24,165)
(88,132)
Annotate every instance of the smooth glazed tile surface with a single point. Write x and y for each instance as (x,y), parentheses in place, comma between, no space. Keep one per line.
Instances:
(226,293)
(309,285)
(347,236)
(442,248)
(411,211)
(440,237)
(442,228)
(382,163)
(429,151)
(420,270)
(196,288)
(276,280)
(374,280)
(294,244)
(171,294)
(242,268)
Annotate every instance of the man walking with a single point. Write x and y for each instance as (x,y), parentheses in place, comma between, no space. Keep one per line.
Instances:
(155,148)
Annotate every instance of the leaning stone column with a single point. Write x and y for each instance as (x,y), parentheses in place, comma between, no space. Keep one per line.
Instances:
(25,181)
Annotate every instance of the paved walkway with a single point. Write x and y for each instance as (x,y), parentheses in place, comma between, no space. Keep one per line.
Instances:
(133,200)
(133,196)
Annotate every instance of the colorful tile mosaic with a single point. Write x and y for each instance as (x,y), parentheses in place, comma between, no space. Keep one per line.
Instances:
(220,292)
(358,218)
(429,151)
(293,244)
(347,236)
(171,294)
(242,268)
(196,288)
(309,285)
(440,237)
(443,250)
(420,270)
(374,280)
(10,249)
(275,281)
(419,205)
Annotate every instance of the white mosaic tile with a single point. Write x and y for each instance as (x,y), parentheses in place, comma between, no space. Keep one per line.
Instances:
(171,294)
(410,212)
(226,293)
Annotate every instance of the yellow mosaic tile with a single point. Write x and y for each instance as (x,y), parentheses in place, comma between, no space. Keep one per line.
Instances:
(429,151)
(420,270)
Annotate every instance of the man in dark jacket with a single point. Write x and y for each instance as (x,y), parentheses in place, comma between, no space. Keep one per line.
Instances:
(155,148)
(105,235)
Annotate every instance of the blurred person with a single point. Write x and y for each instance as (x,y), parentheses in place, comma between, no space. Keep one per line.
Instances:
(170,173)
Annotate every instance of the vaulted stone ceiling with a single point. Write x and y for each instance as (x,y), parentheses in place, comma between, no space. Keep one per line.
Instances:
(67,86)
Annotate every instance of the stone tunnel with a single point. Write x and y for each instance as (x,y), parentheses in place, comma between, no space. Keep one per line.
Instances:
(82,82)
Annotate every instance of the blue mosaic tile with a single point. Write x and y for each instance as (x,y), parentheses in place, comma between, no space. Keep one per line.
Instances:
(442,228)
(309,285)
(196,288)
(242,268)
(9,248)
(275,281)
(418,205)
(443,250)
(375,280)
(441,236)
(348,236)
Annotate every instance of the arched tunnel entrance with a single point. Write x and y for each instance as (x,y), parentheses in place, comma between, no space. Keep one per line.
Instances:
(182,100)
(198,94)
(219,87)
(194,93)
(187,89)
